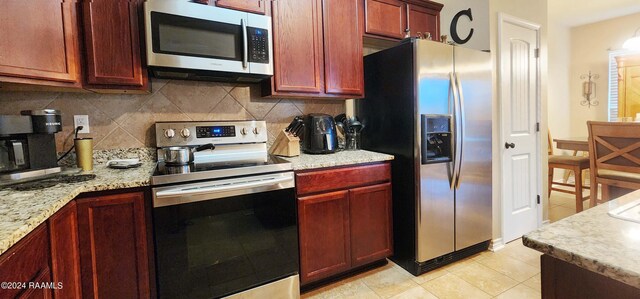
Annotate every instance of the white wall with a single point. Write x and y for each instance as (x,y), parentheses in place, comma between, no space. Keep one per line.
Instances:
(590,45)
(533,11)
(559,112)
(480,24)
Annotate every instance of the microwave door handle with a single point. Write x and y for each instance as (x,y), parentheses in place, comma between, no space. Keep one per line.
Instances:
(245,45)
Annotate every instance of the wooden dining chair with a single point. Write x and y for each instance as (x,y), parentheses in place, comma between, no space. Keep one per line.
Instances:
(614,148)
(569,163)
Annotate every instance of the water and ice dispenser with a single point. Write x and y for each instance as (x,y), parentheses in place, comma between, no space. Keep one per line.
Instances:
(437,143)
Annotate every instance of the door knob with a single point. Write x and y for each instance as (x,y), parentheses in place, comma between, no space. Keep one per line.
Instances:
(508,145)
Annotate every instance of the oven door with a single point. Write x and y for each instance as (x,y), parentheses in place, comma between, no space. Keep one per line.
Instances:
(192,36)
(223,237)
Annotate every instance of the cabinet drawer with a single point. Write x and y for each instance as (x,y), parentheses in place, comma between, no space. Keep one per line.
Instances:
(342,178)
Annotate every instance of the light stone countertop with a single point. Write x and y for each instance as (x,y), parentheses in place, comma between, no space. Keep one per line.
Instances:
(594,241)
(22,211)
(342,158)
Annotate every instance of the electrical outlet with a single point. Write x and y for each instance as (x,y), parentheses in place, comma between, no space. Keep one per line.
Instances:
(82,120)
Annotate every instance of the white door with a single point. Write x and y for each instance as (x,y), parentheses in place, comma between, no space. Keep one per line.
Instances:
(519,94)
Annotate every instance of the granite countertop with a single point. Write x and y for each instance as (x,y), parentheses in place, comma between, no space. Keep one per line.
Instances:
(307,161)
(594,241)
(23,211)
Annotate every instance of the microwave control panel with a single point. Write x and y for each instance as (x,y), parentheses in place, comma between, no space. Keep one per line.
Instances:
(258,45)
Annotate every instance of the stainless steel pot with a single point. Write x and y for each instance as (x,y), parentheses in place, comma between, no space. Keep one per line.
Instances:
(181,155)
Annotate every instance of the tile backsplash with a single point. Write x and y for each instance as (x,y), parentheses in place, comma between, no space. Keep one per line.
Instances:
(126,121)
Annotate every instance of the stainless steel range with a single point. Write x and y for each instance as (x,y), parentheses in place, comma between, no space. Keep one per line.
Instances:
(225,223)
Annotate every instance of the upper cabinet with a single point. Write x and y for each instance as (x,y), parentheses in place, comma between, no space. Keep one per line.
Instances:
(252,6)
(317,49)
(39,43)
(113,45)
(343,63)
(387,18)
(397,19)
(42,40)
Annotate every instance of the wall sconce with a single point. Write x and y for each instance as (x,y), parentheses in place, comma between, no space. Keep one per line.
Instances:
(634,42)
(589,90)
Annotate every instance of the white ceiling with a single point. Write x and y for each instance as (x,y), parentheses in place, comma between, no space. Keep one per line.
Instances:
(581,12)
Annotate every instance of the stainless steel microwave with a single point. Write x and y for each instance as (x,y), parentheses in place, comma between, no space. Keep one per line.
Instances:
(186,40)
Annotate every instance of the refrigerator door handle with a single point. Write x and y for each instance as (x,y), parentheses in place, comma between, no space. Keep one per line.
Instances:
(454,131)
(461,132)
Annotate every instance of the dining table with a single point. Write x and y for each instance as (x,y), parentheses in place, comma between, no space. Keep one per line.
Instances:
(576,144)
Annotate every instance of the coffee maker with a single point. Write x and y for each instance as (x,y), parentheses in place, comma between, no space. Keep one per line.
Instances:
(28,145)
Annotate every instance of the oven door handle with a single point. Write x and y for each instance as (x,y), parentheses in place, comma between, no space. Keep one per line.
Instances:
(200,190)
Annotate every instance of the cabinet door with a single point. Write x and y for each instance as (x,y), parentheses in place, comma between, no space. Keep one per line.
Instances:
(113,246)
(39,41)
(343,60)
(297,46)
(253,6)
(386,18)
(65,255)
(113,44)
(423,20)
(370,218)
(324,235)
(27,262)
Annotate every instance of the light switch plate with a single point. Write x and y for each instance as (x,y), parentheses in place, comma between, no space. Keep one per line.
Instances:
(82,120)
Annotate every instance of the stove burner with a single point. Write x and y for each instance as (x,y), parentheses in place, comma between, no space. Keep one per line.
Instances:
(50,182)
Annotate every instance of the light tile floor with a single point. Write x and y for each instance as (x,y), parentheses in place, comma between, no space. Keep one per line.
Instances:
(513,272)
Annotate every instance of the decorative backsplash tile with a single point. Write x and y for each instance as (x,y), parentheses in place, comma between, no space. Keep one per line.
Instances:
(126,121)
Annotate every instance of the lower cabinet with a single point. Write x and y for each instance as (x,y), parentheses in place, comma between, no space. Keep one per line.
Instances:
(114,246)
(65,254)
(371,220)
(324,235)
(94,247)
(344,229)
(25,265)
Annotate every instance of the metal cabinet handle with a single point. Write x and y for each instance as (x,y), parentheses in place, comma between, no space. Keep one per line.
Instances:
(509,145)
(407,30)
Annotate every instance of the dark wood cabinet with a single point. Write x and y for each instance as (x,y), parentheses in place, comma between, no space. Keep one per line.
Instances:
(252,6)
(114,246)
(344,219)
(298,52)
(27,262)
(39,43)
(387,18)
(317,49)
(113,45)
(65,255)
(324,235)
(424,19)
(371,224)
(344,70)
(397,19)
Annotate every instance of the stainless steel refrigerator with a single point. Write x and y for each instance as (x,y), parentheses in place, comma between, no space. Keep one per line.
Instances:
(429,105)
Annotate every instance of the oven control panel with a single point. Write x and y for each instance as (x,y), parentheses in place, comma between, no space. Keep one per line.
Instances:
(218,133)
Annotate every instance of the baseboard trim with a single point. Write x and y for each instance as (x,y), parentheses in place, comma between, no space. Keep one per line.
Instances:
(545,222)
(496,244)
